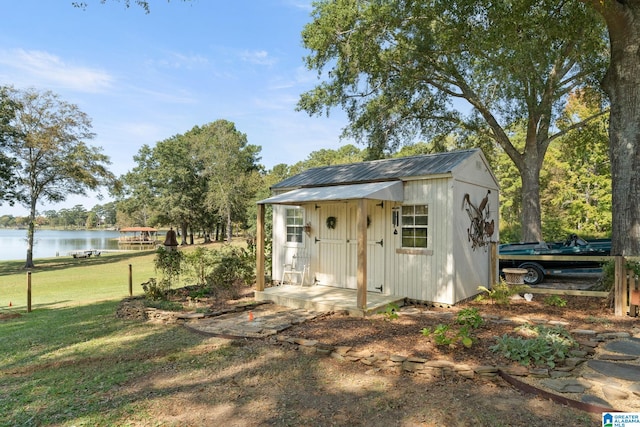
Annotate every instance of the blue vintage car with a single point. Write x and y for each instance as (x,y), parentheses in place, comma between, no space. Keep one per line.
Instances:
(554,258)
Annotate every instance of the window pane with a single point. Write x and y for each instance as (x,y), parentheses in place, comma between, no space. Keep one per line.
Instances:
(415,219)
(420,243)
(294,222)
(422,220)
(407,221)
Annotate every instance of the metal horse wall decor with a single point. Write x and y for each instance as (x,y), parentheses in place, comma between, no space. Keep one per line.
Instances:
(481,229)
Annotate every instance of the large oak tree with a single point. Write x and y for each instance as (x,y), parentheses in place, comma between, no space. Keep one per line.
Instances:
(400,69)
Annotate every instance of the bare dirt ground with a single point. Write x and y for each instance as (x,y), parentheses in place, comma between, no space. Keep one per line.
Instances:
(293,388)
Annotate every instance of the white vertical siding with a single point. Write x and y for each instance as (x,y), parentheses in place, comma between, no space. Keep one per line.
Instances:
(472,264)
(425,276)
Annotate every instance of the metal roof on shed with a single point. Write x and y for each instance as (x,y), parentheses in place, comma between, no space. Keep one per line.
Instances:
(378,170)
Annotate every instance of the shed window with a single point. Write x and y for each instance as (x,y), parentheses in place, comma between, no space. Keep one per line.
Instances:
(295,224)
(415,222)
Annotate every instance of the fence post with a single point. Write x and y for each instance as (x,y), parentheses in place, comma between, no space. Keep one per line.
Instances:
(28,292)
(130,281)
(619,285)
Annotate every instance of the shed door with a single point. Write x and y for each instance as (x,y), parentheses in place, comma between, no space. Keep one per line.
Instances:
(375,247)
(330,243)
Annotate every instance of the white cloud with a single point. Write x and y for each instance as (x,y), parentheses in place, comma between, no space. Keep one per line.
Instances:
(38,68)
(177,60)
(260,57)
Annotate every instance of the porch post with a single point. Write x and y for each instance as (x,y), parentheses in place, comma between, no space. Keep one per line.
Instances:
(361,231)
(260,249)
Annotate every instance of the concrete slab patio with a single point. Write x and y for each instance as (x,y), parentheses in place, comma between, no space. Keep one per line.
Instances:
(324,298)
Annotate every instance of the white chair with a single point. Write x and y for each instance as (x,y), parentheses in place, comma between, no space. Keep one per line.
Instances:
(299,266)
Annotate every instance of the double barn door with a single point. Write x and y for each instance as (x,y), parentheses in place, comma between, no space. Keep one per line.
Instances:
(337,246)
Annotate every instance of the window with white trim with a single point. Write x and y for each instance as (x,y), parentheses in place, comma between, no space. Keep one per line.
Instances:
(415,223)
(295,224)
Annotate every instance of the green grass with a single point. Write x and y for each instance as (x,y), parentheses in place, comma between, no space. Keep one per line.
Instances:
(64,281)
(61,366)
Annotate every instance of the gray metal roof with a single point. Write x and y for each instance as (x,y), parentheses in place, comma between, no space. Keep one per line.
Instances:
(378,170)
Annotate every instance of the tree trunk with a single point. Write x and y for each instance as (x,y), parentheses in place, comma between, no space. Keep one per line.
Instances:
(183,234)
(229,230)
(31,230)
(622,84)
(531,211)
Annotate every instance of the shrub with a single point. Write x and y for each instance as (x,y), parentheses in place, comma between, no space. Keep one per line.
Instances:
(199,263)
(605,283)
(154,290)
(170,264)
(234,266)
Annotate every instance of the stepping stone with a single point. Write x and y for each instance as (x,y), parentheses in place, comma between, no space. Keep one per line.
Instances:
(595,400)
(629,346)
(617,357)
(567,385)
(622,371)
(614,393)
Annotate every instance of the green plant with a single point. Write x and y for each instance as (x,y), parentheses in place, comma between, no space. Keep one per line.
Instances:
(234,266)
(390,312)
(549,346)
(441,334)
(154,290)
(605,283)
(470,316)
(501,292)
(555,300)
(198,264)
(170,265)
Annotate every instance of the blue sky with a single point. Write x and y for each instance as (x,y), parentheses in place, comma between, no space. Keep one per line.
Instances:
(143,77)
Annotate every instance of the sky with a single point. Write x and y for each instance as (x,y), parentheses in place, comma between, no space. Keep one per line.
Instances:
(143,78)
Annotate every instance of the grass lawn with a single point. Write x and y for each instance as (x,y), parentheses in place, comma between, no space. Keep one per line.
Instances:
(72,362)
(62,281)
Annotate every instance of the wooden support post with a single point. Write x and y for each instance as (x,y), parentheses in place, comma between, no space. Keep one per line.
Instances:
(634,294)
(493,264)
(130,281)
(28,292)
(361,231)
(260,249)
(619,285)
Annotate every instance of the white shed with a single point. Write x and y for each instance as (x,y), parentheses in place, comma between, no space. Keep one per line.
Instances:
(418,227)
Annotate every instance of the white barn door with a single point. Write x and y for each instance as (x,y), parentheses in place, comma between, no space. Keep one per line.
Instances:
(375,247)
(331,248)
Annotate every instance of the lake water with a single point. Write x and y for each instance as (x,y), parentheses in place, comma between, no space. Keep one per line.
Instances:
(50,243)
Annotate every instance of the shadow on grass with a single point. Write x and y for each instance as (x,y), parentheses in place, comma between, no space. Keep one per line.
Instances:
(83,366)
(61,263)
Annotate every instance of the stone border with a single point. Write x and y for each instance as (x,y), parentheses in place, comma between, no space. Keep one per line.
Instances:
(562,375)
(438,369)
